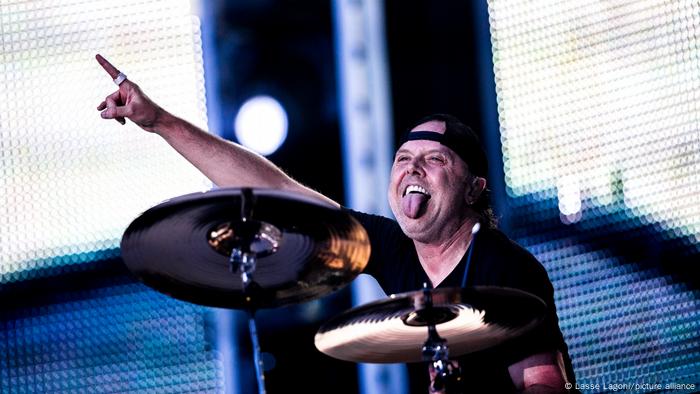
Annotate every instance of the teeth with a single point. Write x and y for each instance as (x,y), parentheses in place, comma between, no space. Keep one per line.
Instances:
(415,189)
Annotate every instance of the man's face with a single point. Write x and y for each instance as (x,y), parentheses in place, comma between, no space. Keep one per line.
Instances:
(428,187)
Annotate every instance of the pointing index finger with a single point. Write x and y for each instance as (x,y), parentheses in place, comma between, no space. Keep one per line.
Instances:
(111,70)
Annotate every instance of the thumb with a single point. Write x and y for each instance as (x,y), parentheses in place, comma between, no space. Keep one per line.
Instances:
(115,112)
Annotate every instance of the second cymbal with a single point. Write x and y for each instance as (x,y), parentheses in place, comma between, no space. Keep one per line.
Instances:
(393,330)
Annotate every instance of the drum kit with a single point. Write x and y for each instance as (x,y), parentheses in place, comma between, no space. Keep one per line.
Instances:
(253,248)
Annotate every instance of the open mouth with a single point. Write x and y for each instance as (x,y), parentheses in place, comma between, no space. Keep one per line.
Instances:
(414,201)
(415,189)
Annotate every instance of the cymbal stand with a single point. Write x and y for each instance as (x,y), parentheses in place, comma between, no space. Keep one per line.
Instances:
(245,264)
(436,351)
(246,248)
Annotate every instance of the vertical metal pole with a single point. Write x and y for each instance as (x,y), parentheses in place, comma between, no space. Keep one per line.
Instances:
(367,139)
(257,357)
(489,109)
(245,263)
(226,320)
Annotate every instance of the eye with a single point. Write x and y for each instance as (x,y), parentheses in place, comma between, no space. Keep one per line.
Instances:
(437,159)
(401,158)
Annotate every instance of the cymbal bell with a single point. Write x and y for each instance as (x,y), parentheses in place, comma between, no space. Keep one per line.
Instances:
(393,330)
(303,248)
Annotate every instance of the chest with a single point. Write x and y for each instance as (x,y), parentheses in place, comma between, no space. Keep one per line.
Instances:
(437,271)
(409,274)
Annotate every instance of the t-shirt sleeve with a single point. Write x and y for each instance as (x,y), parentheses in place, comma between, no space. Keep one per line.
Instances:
(530,276)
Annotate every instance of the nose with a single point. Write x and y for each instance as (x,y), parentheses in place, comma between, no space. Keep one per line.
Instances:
(414,167)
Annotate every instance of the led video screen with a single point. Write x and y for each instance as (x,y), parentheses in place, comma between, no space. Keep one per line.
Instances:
(114,336)
(600,100)
(71,182)
(600,133)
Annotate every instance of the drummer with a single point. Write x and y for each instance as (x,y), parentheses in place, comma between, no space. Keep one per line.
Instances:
(444,233)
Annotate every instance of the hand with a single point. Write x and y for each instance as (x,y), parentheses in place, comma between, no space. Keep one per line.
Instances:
(129,102)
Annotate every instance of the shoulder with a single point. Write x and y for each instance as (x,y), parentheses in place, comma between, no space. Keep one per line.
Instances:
(376,225)
(505,249)
(511,265)
(366,217)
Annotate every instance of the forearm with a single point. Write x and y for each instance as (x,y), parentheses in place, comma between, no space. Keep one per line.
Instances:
(539,373)
(225,163)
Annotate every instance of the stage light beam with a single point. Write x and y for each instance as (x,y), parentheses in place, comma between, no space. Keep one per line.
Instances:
(261,124)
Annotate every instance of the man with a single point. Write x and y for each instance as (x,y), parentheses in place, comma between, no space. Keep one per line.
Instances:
(436,193)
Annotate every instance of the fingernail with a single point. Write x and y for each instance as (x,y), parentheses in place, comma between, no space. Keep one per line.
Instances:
(103,114)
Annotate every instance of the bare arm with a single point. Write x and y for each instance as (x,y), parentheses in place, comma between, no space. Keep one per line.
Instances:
(227,164)
(539,373)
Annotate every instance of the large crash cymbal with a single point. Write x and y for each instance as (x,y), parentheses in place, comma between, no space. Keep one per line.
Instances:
(304,248)
(394,330)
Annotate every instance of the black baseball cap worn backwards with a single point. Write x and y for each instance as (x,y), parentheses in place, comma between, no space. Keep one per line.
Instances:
(458,137)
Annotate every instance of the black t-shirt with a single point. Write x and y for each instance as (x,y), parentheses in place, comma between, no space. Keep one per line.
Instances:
(495,261)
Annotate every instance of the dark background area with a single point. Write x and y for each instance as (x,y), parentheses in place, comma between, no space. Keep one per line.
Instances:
(284,49)
(433,61)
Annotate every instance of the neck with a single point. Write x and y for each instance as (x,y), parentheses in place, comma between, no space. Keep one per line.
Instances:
(440,258)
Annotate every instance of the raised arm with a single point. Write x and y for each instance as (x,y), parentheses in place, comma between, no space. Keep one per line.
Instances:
(227,164)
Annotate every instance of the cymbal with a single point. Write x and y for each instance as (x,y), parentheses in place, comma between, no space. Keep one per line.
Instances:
(303,248)
(393,330)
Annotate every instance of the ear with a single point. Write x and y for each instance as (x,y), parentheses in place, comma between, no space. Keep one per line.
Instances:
(476,186)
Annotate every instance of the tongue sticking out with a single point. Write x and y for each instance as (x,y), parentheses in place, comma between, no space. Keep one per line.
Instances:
(413,204)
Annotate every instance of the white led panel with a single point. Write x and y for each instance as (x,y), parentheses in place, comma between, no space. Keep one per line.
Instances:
(598,101)
(598,108)
(70,182)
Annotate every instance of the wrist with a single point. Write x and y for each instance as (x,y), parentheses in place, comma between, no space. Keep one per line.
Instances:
(163,123)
